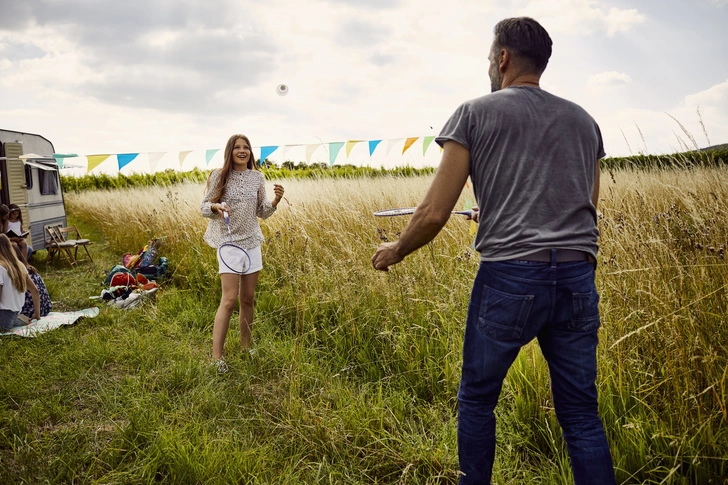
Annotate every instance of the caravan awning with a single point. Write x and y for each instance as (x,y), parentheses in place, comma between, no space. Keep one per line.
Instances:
(39,165)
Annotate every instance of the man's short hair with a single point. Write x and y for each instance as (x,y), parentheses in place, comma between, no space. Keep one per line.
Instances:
(526,39)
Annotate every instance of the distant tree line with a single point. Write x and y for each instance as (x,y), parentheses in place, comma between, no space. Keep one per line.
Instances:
(713,156)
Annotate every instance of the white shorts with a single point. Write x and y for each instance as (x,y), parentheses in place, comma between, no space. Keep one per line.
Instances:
(256,262)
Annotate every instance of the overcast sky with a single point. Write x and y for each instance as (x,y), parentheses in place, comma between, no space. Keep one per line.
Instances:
(171,75)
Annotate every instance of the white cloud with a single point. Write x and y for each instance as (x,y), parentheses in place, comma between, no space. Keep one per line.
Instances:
(581,16)
(632,131)
(607,80)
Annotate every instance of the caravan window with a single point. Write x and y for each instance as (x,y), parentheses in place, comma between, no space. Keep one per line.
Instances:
(48,182)
(28,177)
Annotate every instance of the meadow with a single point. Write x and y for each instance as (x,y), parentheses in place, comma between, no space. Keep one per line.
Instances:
(355,372)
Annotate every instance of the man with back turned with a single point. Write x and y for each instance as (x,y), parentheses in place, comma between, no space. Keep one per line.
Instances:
(534,162)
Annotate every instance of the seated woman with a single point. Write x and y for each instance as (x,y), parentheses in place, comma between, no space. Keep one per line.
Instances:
(28,309)
(14,223)
(14,281)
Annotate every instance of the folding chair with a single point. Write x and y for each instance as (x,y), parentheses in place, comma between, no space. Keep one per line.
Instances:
(71,234)
(57,245)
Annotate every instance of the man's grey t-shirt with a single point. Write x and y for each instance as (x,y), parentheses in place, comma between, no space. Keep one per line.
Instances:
(533,160)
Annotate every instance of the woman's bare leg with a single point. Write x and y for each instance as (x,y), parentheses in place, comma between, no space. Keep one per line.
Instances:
(248,282)
(229,297)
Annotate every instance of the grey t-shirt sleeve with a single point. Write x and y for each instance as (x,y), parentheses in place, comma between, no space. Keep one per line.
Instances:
(457,128)
(601,153)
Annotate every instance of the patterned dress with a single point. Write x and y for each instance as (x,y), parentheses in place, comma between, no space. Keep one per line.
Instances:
(45,299)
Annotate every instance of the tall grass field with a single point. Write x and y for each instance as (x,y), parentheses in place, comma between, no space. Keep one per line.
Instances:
(354,373)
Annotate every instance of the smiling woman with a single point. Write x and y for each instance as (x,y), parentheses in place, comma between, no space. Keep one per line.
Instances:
(235,197)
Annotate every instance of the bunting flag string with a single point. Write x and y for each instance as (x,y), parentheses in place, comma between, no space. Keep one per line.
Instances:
(332,152)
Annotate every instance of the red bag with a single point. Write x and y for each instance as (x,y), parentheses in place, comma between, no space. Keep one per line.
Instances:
(123,279)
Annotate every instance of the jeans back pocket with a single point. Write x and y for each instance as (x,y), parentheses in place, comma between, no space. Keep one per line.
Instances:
(502,315)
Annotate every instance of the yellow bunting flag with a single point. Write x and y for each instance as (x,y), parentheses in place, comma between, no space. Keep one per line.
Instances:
(408,143)
(182,156)
(95,160)
(349,145)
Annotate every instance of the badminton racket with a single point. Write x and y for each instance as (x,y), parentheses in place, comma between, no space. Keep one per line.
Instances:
(403,211)
(233,256)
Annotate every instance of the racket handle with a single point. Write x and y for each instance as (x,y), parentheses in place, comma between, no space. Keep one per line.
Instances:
(225,213)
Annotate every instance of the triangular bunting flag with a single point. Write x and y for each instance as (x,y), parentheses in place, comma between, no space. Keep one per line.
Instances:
(265,152)
(391,142)
(283,151)
(373,146)
(61,156)
(154,160)
(309,151)
(334,148)
(349,145)
(95,160)
(183,155)
(125,159)
(408,143)
(426,143)
(209,154)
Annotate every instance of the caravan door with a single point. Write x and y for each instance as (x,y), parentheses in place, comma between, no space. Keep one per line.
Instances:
(13,177)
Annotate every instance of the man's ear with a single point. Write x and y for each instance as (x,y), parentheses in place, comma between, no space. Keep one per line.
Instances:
(504,59)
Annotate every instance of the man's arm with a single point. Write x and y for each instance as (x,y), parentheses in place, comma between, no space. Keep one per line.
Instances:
(434,211)
(595,191)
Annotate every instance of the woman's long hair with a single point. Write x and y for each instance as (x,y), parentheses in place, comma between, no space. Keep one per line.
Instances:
(227,167)
(12,264)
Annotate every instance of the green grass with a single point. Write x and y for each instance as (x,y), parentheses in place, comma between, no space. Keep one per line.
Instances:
(355,372)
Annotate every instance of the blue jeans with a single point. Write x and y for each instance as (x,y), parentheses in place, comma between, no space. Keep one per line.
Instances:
(512,303)
(7,319)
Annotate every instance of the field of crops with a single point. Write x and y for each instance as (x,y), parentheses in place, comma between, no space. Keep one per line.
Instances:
(355,372)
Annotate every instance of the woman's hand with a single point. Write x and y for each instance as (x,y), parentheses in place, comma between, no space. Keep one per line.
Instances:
(220,208)
(36,315)
(279,191)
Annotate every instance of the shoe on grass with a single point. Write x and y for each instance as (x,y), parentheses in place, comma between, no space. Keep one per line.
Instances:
(221,366)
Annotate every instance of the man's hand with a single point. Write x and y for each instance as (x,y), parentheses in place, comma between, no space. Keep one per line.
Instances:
(475,214)
(386,256)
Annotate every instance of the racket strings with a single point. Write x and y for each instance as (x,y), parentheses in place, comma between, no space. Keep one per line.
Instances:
(234,257)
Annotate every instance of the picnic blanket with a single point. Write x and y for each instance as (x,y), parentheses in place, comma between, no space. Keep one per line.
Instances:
(51,322)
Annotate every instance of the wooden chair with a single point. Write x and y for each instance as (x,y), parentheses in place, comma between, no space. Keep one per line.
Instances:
(71,234)
(56,245)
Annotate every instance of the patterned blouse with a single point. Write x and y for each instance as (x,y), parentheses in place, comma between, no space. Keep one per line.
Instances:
(246,198)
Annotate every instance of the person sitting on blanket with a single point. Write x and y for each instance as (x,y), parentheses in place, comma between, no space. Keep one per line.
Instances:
(28,309)
(14,281)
